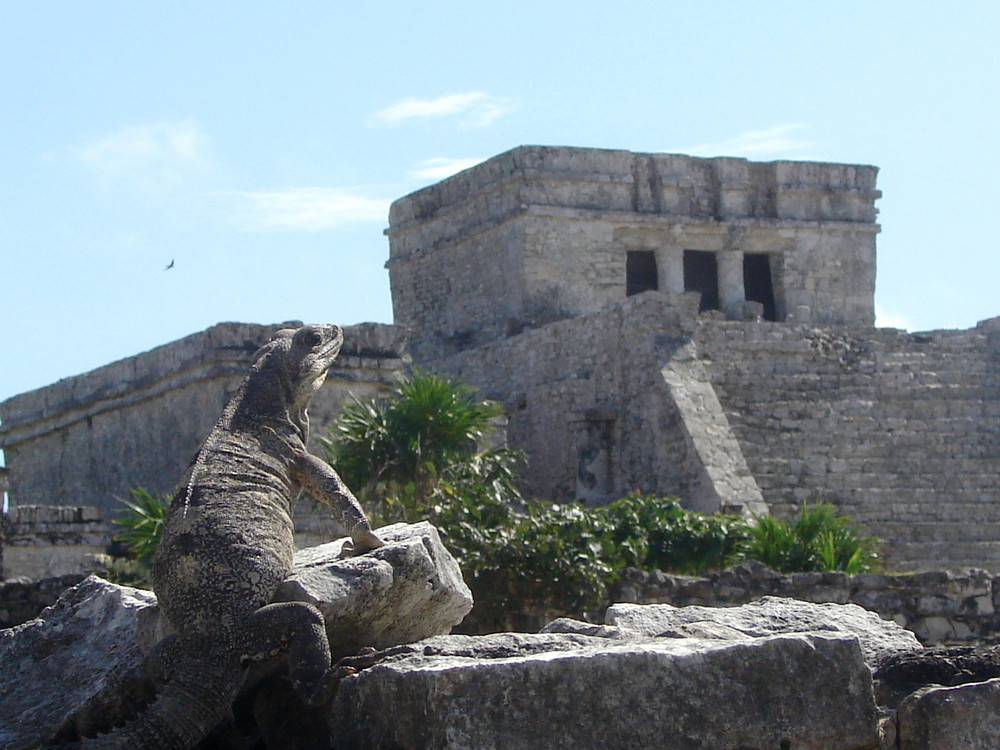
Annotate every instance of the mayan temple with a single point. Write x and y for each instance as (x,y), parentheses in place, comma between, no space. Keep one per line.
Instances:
(702,328)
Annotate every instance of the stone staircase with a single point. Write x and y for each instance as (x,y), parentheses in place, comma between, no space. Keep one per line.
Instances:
(887,425)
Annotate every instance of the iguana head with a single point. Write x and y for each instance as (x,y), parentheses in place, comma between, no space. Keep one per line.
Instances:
(286,372)
(305,355)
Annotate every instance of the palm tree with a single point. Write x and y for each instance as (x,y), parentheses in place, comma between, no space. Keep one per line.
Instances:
(424,440)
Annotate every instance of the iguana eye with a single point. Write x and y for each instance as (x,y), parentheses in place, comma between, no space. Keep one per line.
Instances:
(311,338)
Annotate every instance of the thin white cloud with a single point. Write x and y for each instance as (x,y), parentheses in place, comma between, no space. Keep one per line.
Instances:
(475,108)
(441,166)
(307,209)
(890,319)
(773,142)
(152,156)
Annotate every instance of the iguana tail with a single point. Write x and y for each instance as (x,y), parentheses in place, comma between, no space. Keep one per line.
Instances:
(198,696)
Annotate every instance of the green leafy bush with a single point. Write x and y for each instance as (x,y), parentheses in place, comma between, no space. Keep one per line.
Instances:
(142,522)
(818,539)
(547,557)
(564,558)
(657,533)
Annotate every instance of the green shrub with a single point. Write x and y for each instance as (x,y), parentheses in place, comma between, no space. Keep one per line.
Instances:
(548,557)
(565,558)
(657,533)
(142,521)
(818,539)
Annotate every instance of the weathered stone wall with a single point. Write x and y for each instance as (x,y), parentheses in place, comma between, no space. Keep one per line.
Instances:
(45,541)
(613,402)
(493,287)
(22,600)
(937,606)
(138,422)
(539,234)
(899,430)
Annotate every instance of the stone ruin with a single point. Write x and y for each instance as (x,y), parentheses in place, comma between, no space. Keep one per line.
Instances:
(540,234)
(702,328)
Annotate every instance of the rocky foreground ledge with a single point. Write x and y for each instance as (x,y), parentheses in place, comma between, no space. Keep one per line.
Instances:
(775,674)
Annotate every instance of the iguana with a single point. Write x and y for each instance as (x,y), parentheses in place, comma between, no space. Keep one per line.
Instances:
(227,545)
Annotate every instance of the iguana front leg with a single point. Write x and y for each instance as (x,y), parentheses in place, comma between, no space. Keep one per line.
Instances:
(320,480)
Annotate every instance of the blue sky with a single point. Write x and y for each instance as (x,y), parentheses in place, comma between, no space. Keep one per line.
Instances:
(258,145)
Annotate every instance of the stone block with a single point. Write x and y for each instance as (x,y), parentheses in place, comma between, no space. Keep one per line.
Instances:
(964,717)
(410,589)
(879,638)
(514,690)
(78,660)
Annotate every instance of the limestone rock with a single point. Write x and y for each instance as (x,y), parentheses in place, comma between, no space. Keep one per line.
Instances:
(576,691)
(964,717)
(905,673)
(78,659)
(410,589)
(771,615)
(579,627)
(80,663)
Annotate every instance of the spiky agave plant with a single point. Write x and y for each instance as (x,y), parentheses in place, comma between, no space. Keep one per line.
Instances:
(142,521)
(820,538)
(142,524)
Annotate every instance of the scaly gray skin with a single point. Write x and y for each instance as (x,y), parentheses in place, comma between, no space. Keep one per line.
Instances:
(227,545)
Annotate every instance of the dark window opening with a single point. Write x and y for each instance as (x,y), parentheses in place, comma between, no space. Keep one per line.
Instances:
(640,272)
(757,282)
(701,274)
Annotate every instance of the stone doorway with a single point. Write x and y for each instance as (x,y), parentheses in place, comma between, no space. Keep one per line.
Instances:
(640,272)
(701,274)
(758,282)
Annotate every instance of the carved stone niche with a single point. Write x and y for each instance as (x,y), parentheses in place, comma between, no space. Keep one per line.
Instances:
(595,450)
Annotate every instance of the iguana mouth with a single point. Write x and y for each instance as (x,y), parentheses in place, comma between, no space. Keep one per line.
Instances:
(332,348)
(321,358)
(329,352)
